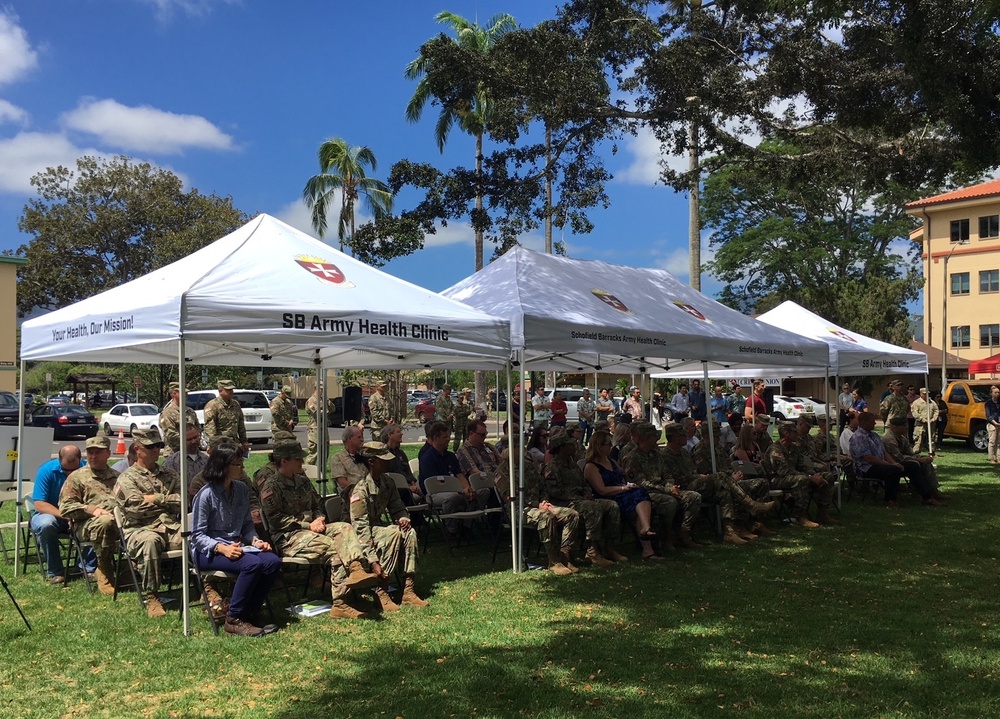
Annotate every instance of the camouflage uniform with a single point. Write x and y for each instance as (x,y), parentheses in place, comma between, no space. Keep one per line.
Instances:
(901,449)
(84,488)
(289,506)
(312,436)
(718,488)
(565,486)
(378,408)
(150,528)
(895,405)
(222,418)
(387,544)
(546,522)
(170,426)
(924,409)
(444,408)
(646,470)
(284,415)
(789,469)
(461,412)
(753,487)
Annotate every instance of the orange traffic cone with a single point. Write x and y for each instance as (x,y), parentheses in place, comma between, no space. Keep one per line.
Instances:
(121,449)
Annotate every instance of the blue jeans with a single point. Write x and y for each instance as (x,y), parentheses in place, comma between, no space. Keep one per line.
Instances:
(47,529)
(587,429)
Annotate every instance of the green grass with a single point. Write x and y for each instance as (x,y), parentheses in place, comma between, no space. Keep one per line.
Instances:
(891,615)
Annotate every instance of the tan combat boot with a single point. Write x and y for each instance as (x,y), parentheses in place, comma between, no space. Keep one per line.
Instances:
(729,535)
(596,559)
(555,563)
(613,555)
(385,600)
(762,529)
(105,572)
(804,521)
(342,610)
(824,518)
(759,509)
(410,597)
(154,609)
(686,540)
(359,578)
(215,603)
(566,561)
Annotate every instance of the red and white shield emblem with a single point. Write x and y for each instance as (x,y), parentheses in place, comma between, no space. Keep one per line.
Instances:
(323,270)
(691,310)
(609,299)
(842,335)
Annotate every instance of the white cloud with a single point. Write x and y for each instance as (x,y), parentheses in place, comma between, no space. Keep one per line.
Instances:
(10,112)
(28,153)
(17,58)
(144,128)
(296,214)
(647,155)
(165,8)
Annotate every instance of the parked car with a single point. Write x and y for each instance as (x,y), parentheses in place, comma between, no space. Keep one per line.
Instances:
(424,412)
(967,411)
(256,410)
(130,417)
(791,407)
(66,421)
(57,399)
(270,393)
(9,409)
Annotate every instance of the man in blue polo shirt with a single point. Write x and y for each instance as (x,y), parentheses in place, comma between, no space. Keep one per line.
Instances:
(47,522)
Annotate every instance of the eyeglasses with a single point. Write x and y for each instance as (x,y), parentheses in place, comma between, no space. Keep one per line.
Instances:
(482,434)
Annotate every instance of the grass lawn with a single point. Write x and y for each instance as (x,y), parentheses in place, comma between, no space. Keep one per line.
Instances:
(891,615)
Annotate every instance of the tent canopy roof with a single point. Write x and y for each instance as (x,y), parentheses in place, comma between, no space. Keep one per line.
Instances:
(577,315)
(270,295)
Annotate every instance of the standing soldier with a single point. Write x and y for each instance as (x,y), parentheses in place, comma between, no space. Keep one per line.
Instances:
(924,411)
(284,415)
(170,420)
(378,408)
(224,416)
(895,403)
(461,411)
(87,499)
(312,435)
(444,408)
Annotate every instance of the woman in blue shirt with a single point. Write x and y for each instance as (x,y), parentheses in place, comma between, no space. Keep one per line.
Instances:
(223,538)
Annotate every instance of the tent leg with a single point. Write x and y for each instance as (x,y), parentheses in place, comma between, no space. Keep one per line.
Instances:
(20,477)
(185,529)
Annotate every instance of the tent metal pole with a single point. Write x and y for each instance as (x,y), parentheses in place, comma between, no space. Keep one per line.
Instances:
(520,476)
(323,439)
(711,431)
(20,474)
(185,528)
(497,395)
(827,412)
(511,448)
(931,444)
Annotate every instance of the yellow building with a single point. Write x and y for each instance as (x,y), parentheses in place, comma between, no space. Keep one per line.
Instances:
(8,321)
(960,236)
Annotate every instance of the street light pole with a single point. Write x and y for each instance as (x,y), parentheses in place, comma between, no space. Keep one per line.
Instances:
(944,319)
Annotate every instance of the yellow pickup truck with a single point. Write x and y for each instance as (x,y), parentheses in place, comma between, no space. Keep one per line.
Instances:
(966,401)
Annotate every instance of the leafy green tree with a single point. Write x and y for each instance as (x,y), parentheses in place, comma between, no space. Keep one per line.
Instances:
(107,223)
(471,107)
(343,174)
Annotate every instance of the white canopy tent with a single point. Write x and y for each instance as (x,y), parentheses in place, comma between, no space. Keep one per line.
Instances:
(268,295)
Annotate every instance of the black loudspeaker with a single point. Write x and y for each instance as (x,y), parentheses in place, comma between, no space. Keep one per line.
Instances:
(352,404)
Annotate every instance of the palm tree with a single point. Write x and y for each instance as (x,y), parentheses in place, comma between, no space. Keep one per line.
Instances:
(342,167)
(472,113)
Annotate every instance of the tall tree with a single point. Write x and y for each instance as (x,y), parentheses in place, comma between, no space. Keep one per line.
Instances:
(108,222)
(342,174)
(471,107)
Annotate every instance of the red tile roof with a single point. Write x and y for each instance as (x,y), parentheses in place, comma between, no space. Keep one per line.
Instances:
(966,193)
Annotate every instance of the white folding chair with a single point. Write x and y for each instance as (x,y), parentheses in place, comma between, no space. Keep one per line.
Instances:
(447,484)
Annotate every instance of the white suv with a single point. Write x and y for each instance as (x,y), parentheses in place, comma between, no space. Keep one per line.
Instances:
(256,410)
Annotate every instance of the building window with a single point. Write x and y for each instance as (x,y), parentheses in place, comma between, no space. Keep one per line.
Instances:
(989,281)
(960,230)
(961,336)
(960,283)
(989,226)
(989,335)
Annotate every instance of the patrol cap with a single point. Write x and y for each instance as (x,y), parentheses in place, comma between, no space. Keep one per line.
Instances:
(673,428)
(716,426)
(174,387)
(289,450)
(98,443)
(147,437)
(787,427)
(923,390)
(899,421)
(572,427)
(762,418)
(808,418)
(446,386)
(381,383)
(896,383)
(376,450)
(642,428)
(226,384)
(221,439)
(466,390)
(283,436)
(559,439)
(286,389)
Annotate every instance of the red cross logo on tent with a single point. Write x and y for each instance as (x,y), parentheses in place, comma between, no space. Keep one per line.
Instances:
(323,270)
(609,299)
(691,310)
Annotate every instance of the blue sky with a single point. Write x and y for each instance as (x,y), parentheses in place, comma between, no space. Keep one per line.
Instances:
(235,97)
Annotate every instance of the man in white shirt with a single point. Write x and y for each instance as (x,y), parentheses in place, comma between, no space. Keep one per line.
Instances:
(849,430)
(845,401)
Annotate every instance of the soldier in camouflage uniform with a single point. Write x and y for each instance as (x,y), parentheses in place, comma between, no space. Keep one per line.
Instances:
(378,409)
(224,416)
(284,415)
(312,435)
(541,514)
(642,463)
(895,404)
(170,420)
(761,431)
(565,486)
(924,410)
(784,463)
(461,411)
(720,488)
(294,514)
(444,408)
(150,500)
(390,545)
(87,499)
(920,469)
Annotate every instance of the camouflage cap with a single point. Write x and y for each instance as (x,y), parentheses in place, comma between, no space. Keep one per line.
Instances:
(376,450)
(762,418)
(226,384)
(559,439)
(787,427)
(147,437)
(896,383)
(642,428)
(289,450)
(221,439)
(672,429)
(283,436)
(381,383)
(807,418)
(98,443)
(174,387)
(572,427)
(899,421)
(466,390)
(923,390)
(285,389)
(716,426)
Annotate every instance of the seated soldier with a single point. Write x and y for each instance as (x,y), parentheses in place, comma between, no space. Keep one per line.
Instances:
(389,545)
(790,470)
(565,486)
(150,500)
(920,469)
(295,516)
(720,488)
(87,500)
(550,521)
(761,431)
